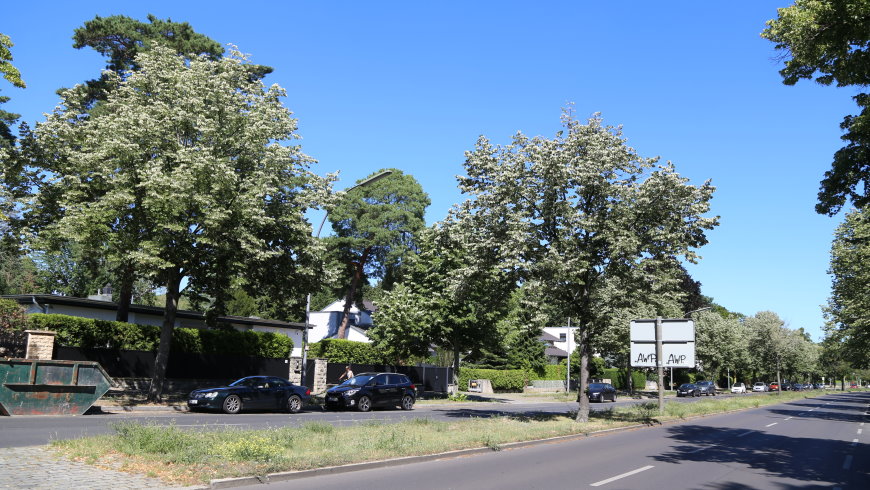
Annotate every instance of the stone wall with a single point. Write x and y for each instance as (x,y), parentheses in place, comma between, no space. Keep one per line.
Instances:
(40,344)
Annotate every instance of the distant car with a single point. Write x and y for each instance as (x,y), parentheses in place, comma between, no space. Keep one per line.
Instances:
(759,387)
(251,393)
(688,389)
(774,386)
(738,388)
(796,387)
(785,386)
(368,390)
(706,387)
(601,392)
(819,386)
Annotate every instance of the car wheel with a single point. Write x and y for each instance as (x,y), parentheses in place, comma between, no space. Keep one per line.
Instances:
(364,404)
(407,402)
(294,404)
(232,404)
(613,398)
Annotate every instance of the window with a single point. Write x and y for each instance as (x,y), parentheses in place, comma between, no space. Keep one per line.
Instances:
(562,337)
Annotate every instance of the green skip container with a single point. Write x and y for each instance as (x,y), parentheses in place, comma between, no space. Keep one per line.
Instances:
(46,387)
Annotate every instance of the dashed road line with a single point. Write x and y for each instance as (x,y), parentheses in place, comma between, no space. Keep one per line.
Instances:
(745,433)
(771,425)
(789,418)
(860,431)
(618,477)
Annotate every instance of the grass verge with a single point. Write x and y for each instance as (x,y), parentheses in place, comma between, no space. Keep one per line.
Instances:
(191,457)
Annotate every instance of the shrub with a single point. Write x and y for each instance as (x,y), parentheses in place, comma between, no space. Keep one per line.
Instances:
(75,331)
(12,315)
(501,379)
(551,372)
(346,352)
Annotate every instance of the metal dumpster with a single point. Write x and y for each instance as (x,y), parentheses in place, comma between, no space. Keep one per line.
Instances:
(46,387)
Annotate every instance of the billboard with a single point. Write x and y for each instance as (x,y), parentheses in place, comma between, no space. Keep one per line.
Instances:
(678,343)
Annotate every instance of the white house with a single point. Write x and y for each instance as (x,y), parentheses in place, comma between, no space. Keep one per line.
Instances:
(325,323)
(561,340)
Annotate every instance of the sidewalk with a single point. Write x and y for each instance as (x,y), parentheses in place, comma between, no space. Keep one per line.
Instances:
(39,467)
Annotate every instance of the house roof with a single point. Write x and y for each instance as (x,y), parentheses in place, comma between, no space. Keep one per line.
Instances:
(39,299)
(546,337)
(555,351)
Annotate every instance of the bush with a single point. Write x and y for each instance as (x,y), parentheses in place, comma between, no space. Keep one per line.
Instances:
(551,372)
(346,352)
(75,331)
(12,316)
(502,379)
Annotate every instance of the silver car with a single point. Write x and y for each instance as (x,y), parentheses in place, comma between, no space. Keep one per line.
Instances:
(760,386)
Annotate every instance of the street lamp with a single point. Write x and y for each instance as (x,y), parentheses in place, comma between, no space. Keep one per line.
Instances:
(368,181)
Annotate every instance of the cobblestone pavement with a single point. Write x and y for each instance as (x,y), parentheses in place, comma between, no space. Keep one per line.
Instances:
(38,467)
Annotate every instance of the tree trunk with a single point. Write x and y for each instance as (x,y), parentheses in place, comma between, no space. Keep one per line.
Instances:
(456,367)
(155,393)
(125,294)
(583,411)
(351,292)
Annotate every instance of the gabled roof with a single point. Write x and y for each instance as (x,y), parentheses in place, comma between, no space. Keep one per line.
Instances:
(546,337)
(555,351)
(40,299)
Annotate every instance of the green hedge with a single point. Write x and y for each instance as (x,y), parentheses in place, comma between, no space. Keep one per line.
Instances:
(551,372)
(346,351)
(502,379)
(618,378)
(75,331)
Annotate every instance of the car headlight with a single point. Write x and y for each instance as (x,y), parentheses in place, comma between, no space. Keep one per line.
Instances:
(210,395)
(351,392)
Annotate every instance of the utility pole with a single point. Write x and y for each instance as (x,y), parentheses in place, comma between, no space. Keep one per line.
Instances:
(659,367)
(568,371)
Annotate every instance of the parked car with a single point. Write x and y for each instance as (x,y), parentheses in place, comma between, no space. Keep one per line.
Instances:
(759,386)
(251,393)
(738,388)
(706,387)
(819,386)
(774,386)
(601,392)
(688,389)
(796,387)
(368,390)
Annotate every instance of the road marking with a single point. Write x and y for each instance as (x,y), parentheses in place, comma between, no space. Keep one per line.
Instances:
(812,409)
(745,433)
(860,431)
(848,463)
(862,424)
(617,477)
(771,425)
(854,442)
(789,418)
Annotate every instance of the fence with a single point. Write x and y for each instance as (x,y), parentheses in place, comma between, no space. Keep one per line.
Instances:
(15,343)
(426,377)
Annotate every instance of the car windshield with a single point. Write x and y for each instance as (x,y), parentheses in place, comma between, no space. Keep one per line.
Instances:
(244,382)
(759,384)
(360,380)
(596,386)
(686,386)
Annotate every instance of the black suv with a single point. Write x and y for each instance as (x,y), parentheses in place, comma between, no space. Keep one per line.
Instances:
(367,390)
(706,387)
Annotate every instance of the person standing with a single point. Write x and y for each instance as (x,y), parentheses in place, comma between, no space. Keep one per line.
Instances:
(347,374)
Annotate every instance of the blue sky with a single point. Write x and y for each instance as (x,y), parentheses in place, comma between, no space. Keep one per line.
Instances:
(412,85)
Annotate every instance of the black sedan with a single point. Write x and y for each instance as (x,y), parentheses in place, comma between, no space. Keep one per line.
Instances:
(601,392)
(367,390)
(688,389)
(251,393)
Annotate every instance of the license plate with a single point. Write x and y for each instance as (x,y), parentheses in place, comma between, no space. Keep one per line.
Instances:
(333,398)
(193,402)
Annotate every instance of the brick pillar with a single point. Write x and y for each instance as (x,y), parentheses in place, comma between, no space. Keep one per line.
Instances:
(40,344)
(295,375)
(319,375)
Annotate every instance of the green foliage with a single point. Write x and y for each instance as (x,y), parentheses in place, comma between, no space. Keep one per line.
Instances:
(549,372)
(829,39)
(619,377)
(848,310)
(90,333)
(10,73)
(347,351)
(12,316)
(402,325)
(503,380)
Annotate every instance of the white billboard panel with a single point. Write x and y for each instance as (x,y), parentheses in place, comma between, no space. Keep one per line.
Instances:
(675,330)
(676,354)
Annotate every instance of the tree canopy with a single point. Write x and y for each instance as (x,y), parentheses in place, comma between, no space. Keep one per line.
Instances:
(190,159)
(830,40)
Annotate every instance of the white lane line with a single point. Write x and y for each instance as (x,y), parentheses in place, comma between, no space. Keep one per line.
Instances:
(617,477)
(854,442)
(862,424)
(812,409)
(848,463)
(860,431)
(745,433)
(789,418)
(771,425)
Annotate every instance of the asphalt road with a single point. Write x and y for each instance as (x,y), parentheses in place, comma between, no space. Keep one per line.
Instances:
(811,443)
(19,431)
